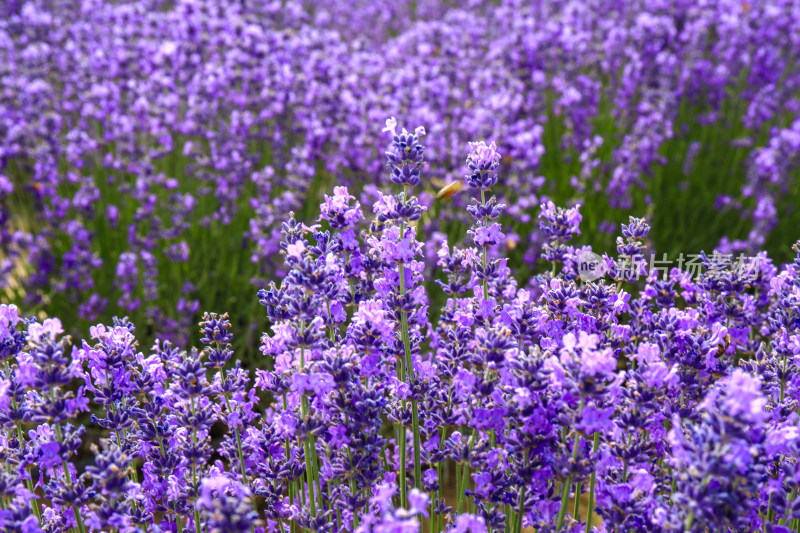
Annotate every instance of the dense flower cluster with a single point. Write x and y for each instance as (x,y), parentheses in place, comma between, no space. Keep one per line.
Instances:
(563,405)
(140,138)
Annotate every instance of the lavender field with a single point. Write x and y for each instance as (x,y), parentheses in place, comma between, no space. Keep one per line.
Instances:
(388,267)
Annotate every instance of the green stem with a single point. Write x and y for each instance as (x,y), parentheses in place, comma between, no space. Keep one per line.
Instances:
(21,437)
(458,485)
(330,318)
(442,433)
(350,280)
(689,520)
(400,439)
(673,485)
(521,504)
(409,368)
(315,472)
(432,519)
(239,451)
(562,512)
(792,496)
(67,475)
(178,525)
(483,254)
(351,481)
(465,473)
(403,486)
(417,458)
(306,442)
(462,487)
(194,471)
(288,454)
(68,478)
(338,512)
(310,478)
(769,509)
(567,484)
(595,446)
(28,482)
(132,475)
(783,377)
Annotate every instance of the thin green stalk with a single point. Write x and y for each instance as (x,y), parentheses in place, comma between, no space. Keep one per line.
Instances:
(310,479)
(133,476)
(483,254)
(562,512)
(439,467)
(164,454)
(595,445)
(792,496)
(350,280)
(458,484)
(330,317)
(68,478)
(465,473)
(567,484)
(194,473)
(521,504)
(291,484)
(67,475)
(306,442)
(689,520)
(769,509)
(352,482)
(520,511)
(409,368)
(403,485)
(439,516)
(783,377)
(338,512)
(577,510)
(432,518)
(241,454)
(21,437)
(400,438)
(462,487)
(291,491)
(673,486)
(239,450)
(417,458)
(315,472)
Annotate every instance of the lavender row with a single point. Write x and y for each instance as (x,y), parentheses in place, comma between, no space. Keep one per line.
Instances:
(139,140)
(567,405)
